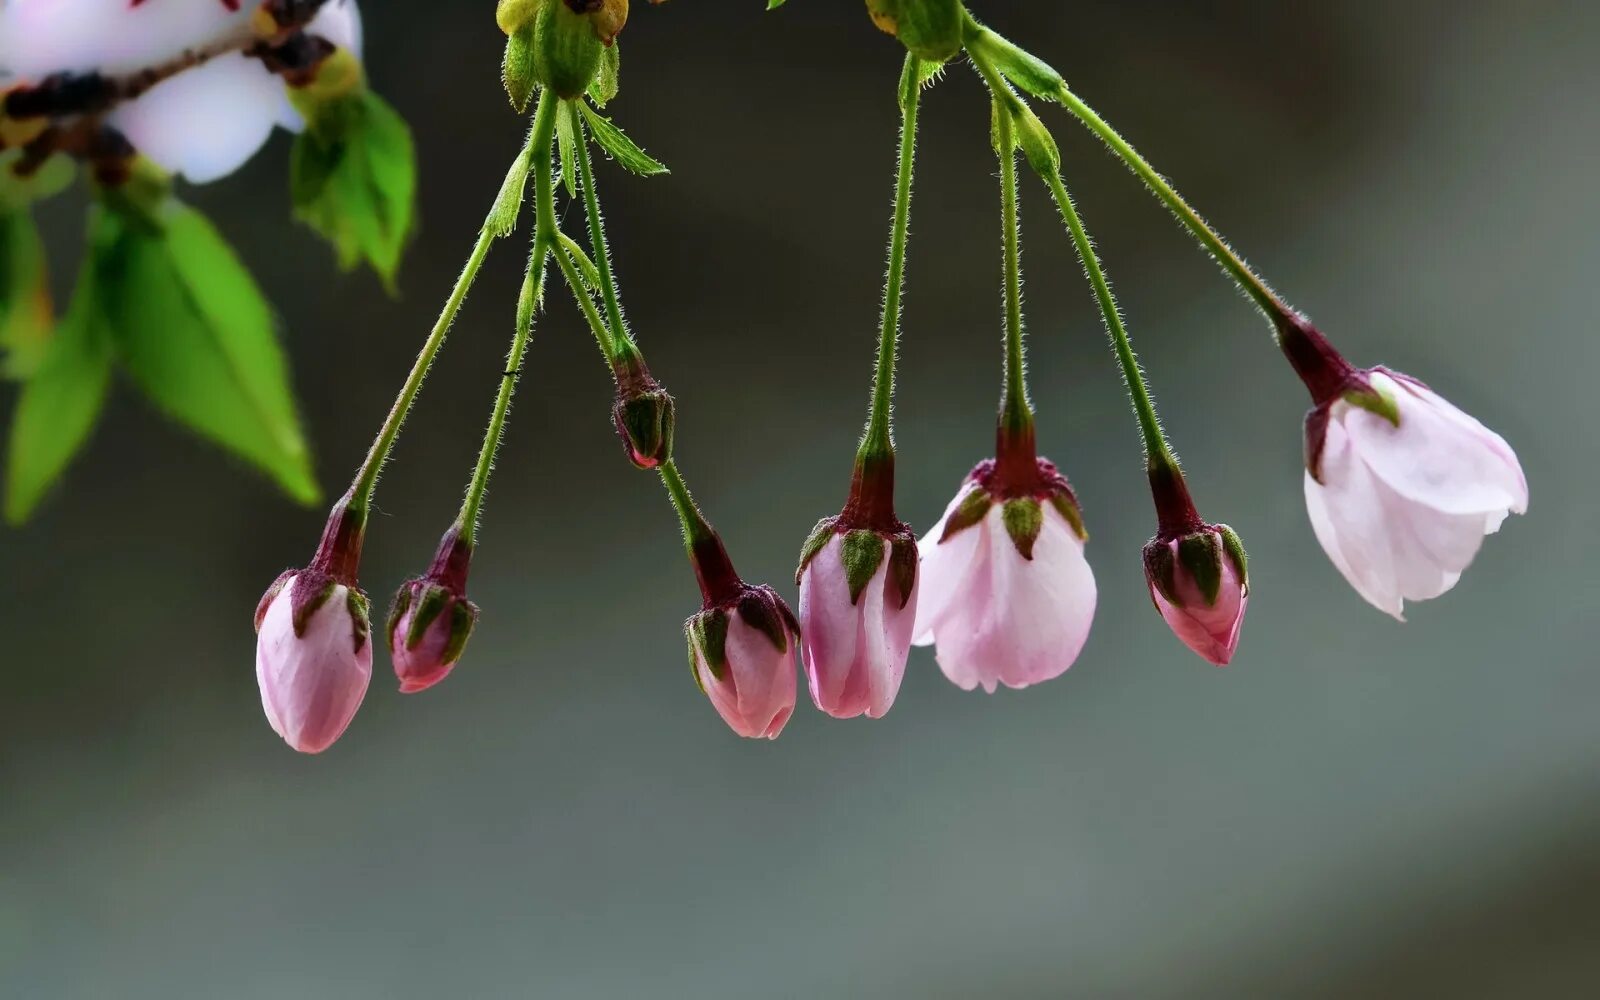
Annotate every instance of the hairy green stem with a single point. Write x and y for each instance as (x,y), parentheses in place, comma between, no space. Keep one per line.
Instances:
(1016,412)
(695,528)
(597,230)
(878,439)
(527,305)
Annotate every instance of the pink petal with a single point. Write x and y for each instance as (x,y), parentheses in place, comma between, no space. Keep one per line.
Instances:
(945,572)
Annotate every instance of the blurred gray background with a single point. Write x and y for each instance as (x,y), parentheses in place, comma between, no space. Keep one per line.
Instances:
(1355,807)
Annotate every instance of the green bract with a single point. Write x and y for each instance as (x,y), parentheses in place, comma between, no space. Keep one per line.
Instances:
(353,178)
(566,51)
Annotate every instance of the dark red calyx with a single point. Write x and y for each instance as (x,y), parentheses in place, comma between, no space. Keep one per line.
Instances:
(870,505)
(452,562)
(1175,511)
(1325,372)
(338,555)
(720,585)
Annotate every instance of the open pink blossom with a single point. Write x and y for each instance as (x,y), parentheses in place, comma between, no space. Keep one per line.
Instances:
(742,654)
(313,658)
(1402,487)
(204,122)
(1201,586)
(1007,596)
(858,602)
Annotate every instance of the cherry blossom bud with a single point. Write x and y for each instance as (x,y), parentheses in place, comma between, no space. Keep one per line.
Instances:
(1007,596)
(643,414)
(568,44)
(1401,486)
(1200,584)
(742,655)
(313,642)
(431,618)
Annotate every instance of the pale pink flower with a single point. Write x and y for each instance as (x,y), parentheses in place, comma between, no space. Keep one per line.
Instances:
(1402,487)
(313,657)
(204,122)
(1007,596)
(858,602)
(431,618)
(742,654)
(1201,585)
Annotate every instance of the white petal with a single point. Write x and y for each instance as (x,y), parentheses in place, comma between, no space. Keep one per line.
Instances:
(38,37)
(1347,516)
(206,122)
(944,573)
(1438,455)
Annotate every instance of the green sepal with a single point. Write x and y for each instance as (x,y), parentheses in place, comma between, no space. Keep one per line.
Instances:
(765,612)
(193,330)
(1067,507)
(507,208)
(47,179)
(815,542)
(1162,569)
(26,313)
(397,611)
(61,401)
(517,71)
(930,29)
(360,616)
(862,553)
(433,602)
(1201,555)
(353,179)
(972,509)
(514,15)
(775,4)
(1024,519)
(903,560)
(1030,73)
(619,147)
(463,619)
(609,78)
(566,52)
(1374,400)
(1236,555)
(708,638)
(567,145)
(301,611)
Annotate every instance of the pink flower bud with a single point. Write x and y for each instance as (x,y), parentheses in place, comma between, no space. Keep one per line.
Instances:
(1200,584)
(742,655)
(858,602)
(1402,487)
(1007,596)
(431,618)
(313,657)
(643,415)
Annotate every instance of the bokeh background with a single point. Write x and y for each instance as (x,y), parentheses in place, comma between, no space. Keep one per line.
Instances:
(1355,807)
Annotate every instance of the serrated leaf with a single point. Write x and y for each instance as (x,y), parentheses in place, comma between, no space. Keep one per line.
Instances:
(26,314)
(353,179)
(59,405)
(567,147)
(619,146)
(197,337)
(609,79)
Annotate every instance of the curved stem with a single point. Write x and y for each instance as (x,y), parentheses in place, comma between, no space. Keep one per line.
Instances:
(695,528)
(527,304)
(1251,283)
(544,200)
(1015,410)
(366,479)
(879,437)
(597,230)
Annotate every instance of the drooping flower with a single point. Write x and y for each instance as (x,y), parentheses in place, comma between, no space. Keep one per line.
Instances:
(1007,595)
(203,122)
(1401,486)
(431,618)
(1197,572)
(313,641)
(742,654)
(858,599)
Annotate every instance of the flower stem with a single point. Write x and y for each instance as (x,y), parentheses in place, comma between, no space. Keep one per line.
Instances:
(527,304)
(544,124)
(1016,413)
(878,440)
(713,570)
(366,479)
(597,230)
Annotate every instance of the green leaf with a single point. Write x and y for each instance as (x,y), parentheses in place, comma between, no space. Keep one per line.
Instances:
(26,314)
(19,190)
(619,146)
(353,178)
(567,146)
(59,405)
(774,4)
(606,82)
(197,337)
